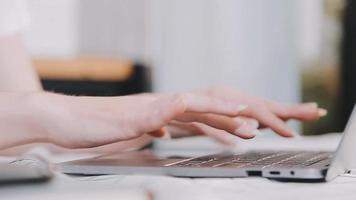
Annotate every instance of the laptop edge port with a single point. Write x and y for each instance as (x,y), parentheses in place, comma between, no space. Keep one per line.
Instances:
(254,173)
(274,172)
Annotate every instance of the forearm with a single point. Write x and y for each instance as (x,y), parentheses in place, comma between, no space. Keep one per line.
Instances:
(16,71)
(39,117)
(70,122)
(17,120)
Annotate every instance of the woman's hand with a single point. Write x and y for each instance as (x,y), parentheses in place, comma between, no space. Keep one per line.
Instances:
(81,122)
(218,113)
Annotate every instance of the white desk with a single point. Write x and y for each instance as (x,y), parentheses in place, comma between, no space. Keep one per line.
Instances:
(164,187)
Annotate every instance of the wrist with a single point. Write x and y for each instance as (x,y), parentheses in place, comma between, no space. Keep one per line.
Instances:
(52,115)
(18,125)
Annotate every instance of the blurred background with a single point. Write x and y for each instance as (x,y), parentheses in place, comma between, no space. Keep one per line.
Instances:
(289,51)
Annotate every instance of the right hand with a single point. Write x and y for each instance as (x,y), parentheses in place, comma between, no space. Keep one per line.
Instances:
(83,122)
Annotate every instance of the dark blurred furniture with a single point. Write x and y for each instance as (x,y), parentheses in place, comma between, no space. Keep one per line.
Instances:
(348,62)
(93,76)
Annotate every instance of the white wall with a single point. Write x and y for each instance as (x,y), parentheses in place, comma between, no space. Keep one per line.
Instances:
(249,45)
(309,26)
(112,27)
(71,27)
(54,30)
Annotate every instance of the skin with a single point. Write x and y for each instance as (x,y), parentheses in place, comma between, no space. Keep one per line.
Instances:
(30,115)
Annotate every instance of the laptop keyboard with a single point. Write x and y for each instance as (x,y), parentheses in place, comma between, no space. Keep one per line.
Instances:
(259,160)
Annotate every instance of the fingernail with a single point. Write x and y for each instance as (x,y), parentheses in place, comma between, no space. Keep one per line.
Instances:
(246,129)
(241,107)
(322,112)
(295,134)
(314,104)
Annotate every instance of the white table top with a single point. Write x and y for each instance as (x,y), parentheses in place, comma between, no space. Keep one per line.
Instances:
(164,187)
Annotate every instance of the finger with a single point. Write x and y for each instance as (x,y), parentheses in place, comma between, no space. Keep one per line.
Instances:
(206,104)
(253,122)
(304,112)
(268,119)
(217,121)
(182,129)
(218,135)
(235,126)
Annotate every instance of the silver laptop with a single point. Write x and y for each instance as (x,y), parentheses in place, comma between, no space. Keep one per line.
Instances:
(282,165)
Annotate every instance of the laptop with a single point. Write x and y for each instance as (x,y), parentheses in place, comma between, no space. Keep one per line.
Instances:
(307,166)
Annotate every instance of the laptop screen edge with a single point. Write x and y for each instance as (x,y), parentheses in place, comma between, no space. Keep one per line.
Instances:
(343,157)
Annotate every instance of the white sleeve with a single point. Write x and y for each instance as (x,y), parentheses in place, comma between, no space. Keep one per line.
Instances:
(14,16)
